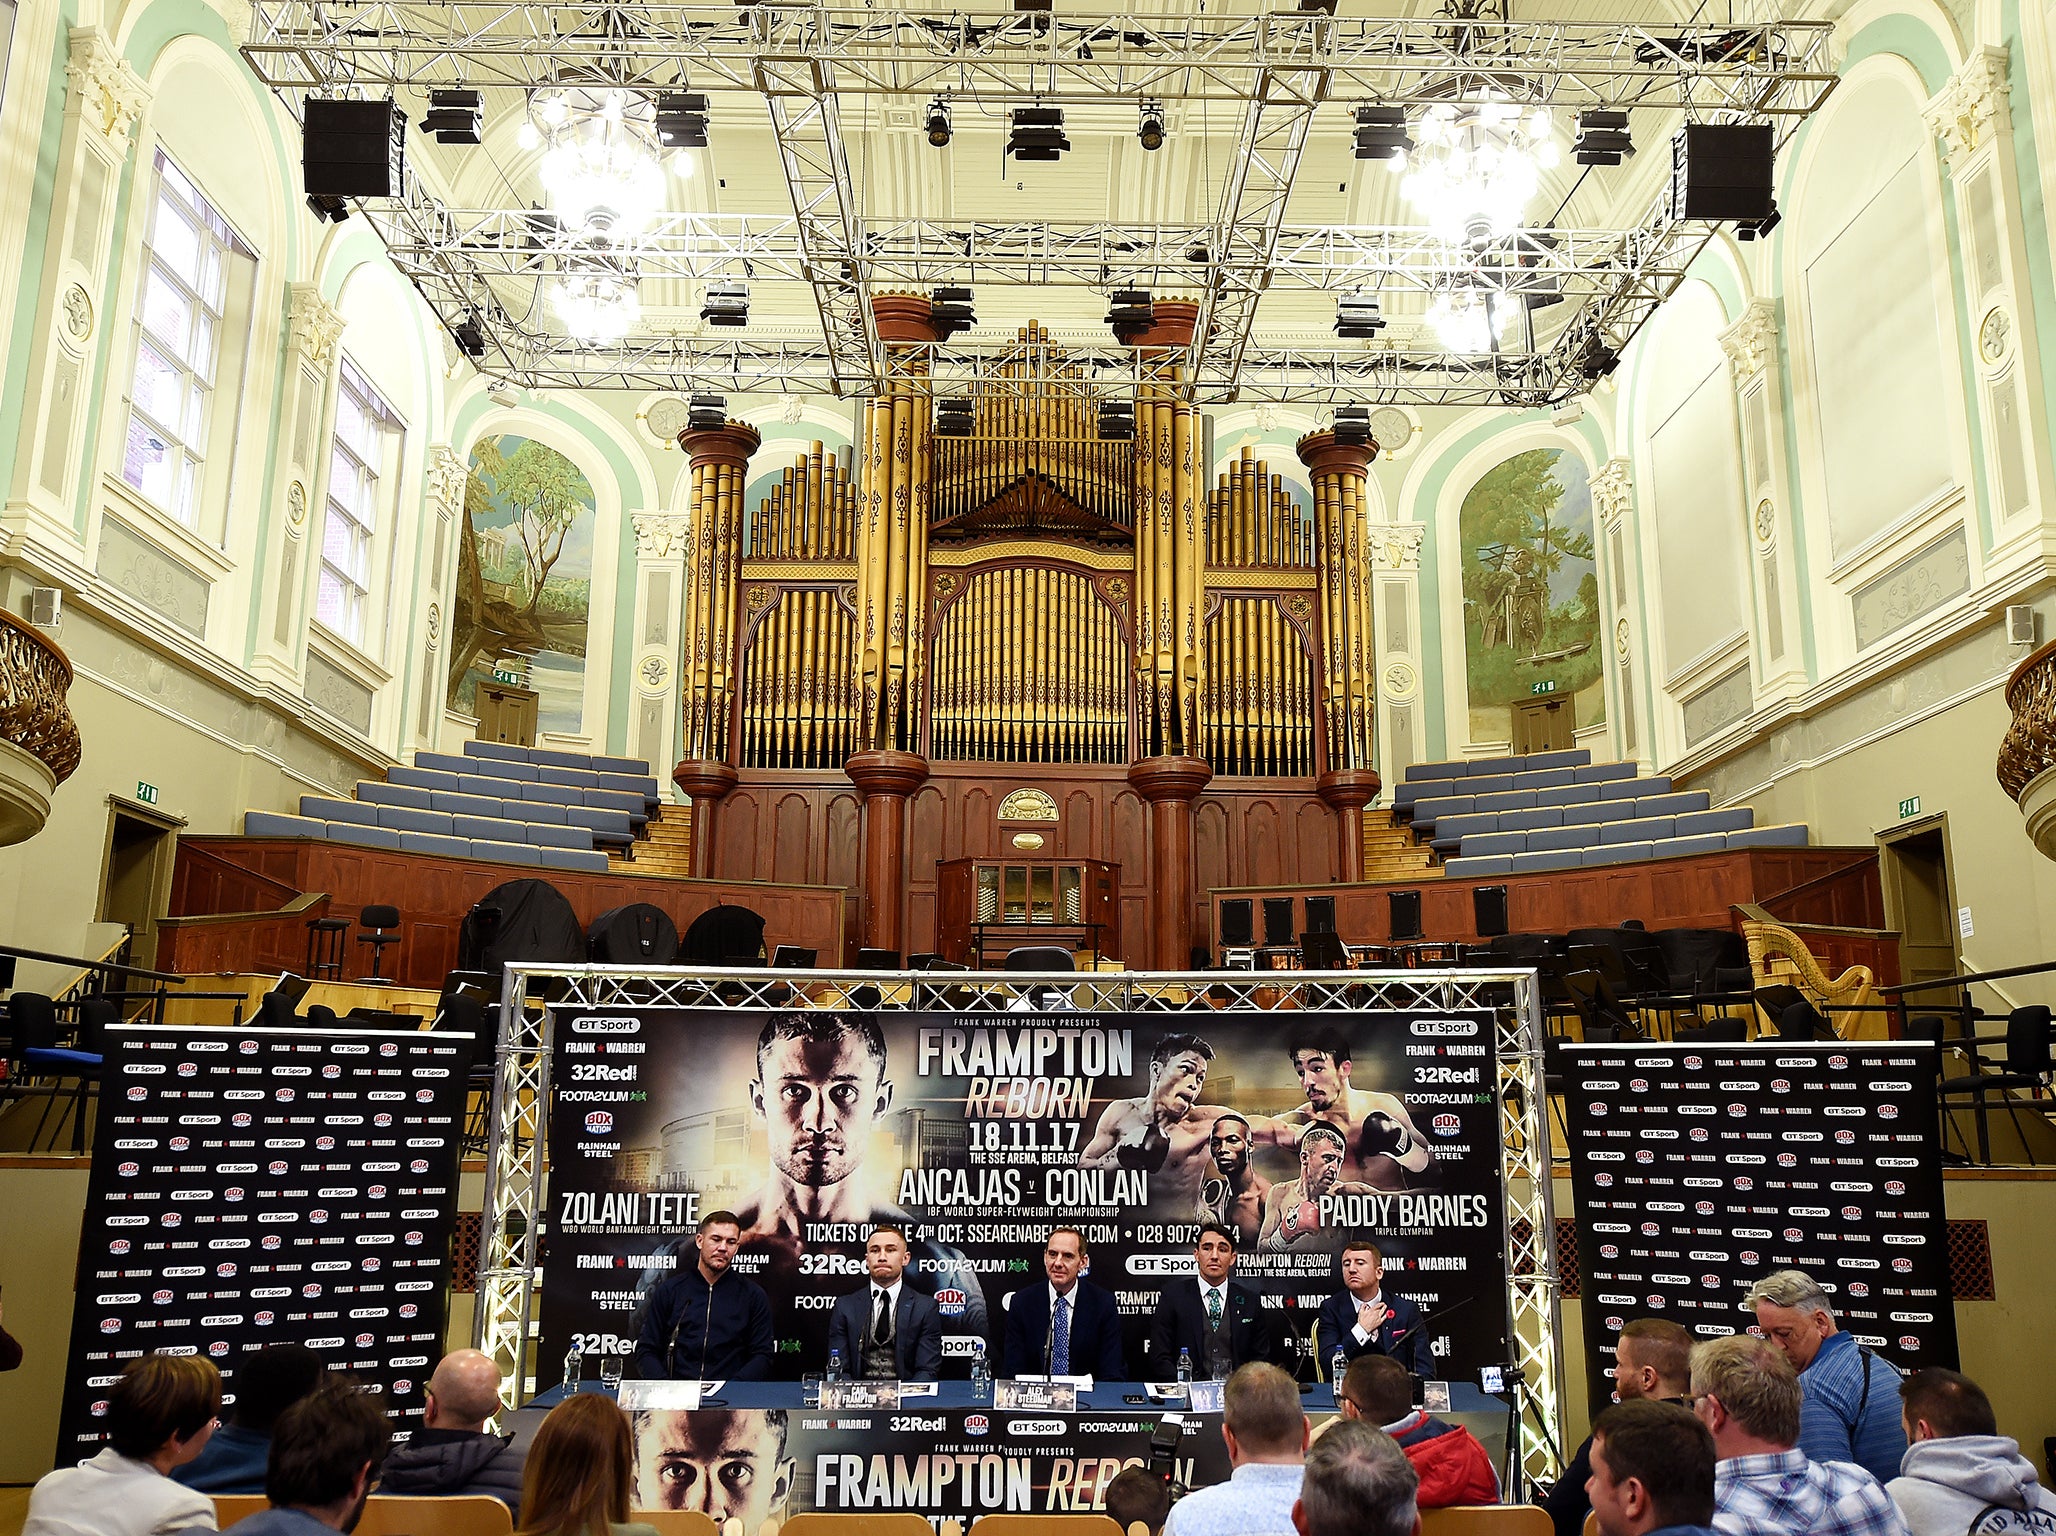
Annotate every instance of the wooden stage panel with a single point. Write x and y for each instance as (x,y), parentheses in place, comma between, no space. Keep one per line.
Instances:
(433,894)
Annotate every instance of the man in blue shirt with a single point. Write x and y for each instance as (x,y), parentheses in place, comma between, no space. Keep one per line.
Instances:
(707,1322)
(326,1451)
(1652,1471)
(1849,1402)
(1266,1432)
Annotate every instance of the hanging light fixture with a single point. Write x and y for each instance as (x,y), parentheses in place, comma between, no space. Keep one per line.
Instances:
(601,163)
(597,304)
(1471,319)
(1476,165)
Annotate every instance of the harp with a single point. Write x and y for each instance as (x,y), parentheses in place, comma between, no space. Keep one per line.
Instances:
(1779,955)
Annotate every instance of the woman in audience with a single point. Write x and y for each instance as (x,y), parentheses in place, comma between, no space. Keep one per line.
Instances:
(579,1471)
(159,1417)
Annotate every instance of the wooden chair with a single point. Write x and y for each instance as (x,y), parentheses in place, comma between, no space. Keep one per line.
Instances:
(820,1524)
(1778,956)
(676,1522)
(1592,1524)
(231,1507)
(387,1514)
(1046,1525)
(1487,1520)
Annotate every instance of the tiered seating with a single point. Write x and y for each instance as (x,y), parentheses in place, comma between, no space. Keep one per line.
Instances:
(1561,810)
(515,805)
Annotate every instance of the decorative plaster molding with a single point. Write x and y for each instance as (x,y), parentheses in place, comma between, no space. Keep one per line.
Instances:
(1397,546)
(109,95)
(1613,491)
(447,476)
(1750,341)
(662,535)
(313,323)
(1966,111)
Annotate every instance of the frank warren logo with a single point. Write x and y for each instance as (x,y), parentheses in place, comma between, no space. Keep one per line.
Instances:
(599,1122)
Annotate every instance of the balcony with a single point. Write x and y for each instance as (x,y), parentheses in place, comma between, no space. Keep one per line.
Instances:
(39,743)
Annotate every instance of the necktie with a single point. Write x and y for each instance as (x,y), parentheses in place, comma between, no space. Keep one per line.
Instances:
(1213,1306)
(1060,1351)
(881,1327)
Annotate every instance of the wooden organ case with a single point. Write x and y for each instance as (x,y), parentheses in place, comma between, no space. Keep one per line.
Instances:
(882,652)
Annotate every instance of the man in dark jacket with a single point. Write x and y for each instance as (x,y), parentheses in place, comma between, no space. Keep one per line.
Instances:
(1065,1327)
(1652,1360)
(706,1323)
(452,1453)
(887,1331)
(267,1382)
(1367,1319)
(1221,1325)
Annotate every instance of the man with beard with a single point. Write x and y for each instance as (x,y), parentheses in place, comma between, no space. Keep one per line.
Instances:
(1378,1136)
(326,1451)
(1235,1198)
(1165,1132)
(707,1321)
(1292,1210)
(726,1463)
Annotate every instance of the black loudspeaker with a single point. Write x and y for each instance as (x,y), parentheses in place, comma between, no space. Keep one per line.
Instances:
(1406,915)
(1488,910)
(1320,914)
(1238,923)
(1278,927)
(352,148)
(1723,171)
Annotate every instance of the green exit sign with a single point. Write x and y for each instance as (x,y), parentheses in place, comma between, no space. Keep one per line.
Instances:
(1542,687)
(1908,809)
(506,677)
(147,793)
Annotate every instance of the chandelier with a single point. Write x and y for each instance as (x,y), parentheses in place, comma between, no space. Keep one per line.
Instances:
(601,162)
(597,305)
(1471,319)
(1477,165)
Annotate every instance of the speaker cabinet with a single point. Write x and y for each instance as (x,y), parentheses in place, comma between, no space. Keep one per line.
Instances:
(1279,929)
(352,148)
(1238,923)
(1320,914)
(1723,171)
(1488,910)
(1406,915)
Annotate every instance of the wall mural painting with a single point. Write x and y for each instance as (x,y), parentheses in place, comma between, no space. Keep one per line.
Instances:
(1530,591)
(524,578)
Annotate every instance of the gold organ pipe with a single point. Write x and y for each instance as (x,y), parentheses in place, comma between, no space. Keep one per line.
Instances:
(1245,472)
(807,534)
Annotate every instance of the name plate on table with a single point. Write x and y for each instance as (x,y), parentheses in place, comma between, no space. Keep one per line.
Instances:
(860,1394)
(1206,1396)
(1036,1396)
(664,1396)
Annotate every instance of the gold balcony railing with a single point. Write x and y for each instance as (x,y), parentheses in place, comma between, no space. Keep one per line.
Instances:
(2028,751)
(34,677)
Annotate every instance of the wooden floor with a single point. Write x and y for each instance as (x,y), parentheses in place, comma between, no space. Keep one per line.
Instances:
(14,1509)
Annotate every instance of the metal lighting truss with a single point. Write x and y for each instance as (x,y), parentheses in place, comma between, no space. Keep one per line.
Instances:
(534,995)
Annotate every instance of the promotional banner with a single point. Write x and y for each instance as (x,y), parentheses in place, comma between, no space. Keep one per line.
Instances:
(1699,1169)
(261,1186)
(978,1133)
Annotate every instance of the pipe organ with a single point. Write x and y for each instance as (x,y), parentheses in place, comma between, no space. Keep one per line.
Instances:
(907,647)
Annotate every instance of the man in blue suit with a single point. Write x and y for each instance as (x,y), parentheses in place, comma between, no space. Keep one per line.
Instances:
(1367,1319)
(887,1331)
(1064,1328)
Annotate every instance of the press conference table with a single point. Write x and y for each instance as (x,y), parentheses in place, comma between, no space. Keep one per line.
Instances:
(1105,1397)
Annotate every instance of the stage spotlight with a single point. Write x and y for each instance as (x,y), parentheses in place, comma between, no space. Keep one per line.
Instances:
(706,413)
(949,311)
(1150,131)
(953,418)
(1117,421)
(1358,316)
(454,117)
(331,210)
(1381,134)
(938,122)
(1353,426)
(1757,229)
(726,304)
(1596,359)
(1037,133)
(1133,312)
(470,337)
(682,120)
(1602,138)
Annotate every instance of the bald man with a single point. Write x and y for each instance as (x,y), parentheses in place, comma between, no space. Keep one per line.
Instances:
(452,1453)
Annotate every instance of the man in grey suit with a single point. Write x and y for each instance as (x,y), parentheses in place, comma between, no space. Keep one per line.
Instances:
(887,1331)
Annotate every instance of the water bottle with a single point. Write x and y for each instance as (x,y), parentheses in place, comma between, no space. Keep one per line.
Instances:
(981,1375)
(574,1367)
(1337,1369)
(835,1365)
(1185,1369)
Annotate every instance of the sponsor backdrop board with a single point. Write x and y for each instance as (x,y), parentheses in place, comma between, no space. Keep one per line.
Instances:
(261,1186)
(980,1132)
(1699,1169)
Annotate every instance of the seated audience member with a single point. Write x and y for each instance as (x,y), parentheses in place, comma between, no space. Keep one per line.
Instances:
(159,1417)
(451,1453)
(268,1381)
(1653,1360)
(1266,1435)
(580,1468)
(1652,1471)
(1849,1397)
(1747,1395)
(1138,1496)
(1960,1474)
(1358,1482)
(326,1450)
(1452,1466)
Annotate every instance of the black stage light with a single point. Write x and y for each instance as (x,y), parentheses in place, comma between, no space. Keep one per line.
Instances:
(454,116)
(1037,133)
(1381,133)
(726,304)
(470,337)
(1149,132)
(949,311)
(1117,421)
(1353,426)
(1133,313)
(706,413)
(1358,316)
(938,122)
(953,417)
(332,210)
(352,148)
(1602,137)
(1757,229)
(682,120)
(1596,359)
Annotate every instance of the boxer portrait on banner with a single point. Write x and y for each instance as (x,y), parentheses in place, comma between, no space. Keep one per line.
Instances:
(728,1463)
(1380,1142)
(1292,1210)
(1234,1194)
(1166,1131)
(1367,1319)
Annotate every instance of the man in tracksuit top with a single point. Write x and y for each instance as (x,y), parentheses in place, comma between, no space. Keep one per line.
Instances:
(706,1323)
